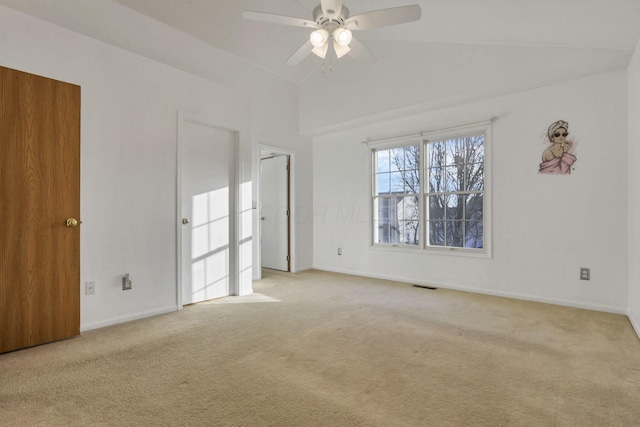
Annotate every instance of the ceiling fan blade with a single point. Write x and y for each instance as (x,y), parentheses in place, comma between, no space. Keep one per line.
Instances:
(384,17)
(278,19)
(331,8)
(360,53)
(300,54)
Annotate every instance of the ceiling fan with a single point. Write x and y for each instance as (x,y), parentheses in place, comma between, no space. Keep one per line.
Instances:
(333,27)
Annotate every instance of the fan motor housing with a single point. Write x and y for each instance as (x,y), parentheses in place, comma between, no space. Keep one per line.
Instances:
(322,21)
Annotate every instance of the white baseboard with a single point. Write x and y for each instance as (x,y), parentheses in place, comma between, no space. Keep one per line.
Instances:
(110,322)
(514,295)
(301,268)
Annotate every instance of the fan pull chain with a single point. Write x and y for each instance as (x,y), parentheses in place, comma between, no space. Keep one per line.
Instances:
(324,65)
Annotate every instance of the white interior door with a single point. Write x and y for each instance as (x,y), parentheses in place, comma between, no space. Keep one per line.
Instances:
(274,213)
(207,157)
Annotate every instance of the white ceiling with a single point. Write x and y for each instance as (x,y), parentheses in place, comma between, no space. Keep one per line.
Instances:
(593,24)
(460,48)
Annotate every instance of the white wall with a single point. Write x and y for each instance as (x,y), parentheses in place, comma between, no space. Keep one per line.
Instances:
(275,116)
(634,190)
(128,160)
(360,91)
(544,227)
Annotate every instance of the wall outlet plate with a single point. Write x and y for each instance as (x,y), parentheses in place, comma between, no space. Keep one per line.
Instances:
(89,288)
(585,273)
(126,283)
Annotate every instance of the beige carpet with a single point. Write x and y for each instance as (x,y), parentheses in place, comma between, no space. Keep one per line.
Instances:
(322,349)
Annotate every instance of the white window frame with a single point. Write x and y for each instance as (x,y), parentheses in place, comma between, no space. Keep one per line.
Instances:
(422,140)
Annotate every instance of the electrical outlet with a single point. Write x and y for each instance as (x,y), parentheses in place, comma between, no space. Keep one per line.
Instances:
(339,251)
(89,288)
(126,282)
(585,273)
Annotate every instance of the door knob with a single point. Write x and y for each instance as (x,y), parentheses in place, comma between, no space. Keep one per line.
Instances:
(185,221)
(72,222)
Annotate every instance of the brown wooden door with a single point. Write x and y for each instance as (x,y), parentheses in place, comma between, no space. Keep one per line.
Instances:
(39,191)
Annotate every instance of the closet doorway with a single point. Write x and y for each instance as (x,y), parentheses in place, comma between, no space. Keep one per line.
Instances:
(275,210)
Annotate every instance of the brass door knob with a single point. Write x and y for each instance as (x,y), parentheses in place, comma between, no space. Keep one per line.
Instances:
(72,222)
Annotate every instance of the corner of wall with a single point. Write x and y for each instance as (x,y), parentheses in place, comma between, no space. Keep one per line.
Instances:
(635,323)
(633,178)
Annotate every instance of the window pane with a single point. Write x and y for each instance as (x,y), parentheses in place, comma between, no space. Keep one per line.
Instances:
(382,184)
(474,177)
(397,183)
(436,180)
(475,149)
(455,206)
(381,232)
(455,233)
(436,206)
(455,152)
(382,209)
(394,232)
(474,235)
(397,159)
(409,233)
(437,154)
(411,178)
(382,161)
(454,178)
(409,208)
(436,233)
(474,205)
(412,157)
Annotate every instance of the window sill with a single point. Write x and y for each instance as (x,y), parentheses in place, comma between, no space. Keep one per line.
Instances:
(459,252)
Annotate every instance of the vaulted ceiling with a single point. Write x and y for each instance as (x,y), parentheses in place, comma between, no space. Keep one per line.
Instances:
(460,49)
(596,25)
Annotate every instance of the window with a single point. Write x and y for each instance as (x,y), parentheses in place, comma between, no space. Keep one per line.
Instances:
(455,168)
(396,214)
(430,192)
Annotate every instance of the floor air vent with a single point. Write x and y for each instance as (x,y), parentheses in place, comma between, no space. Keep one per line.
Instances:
(425,287)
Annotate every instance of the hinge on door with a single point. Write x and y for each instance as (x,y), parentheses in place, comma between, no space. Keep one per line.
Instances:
(288,258)
(287,212)
(287,168)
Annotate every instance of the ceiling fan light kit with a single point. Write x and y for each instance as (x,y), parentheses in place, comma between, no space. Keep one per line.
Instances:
(319,37)
(341,50)
(332,21)
(342,36)
(321,51)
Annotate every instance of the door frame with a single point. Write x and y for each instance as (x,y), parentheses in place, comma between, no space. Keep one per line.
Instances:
(234,180)
(292,211)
